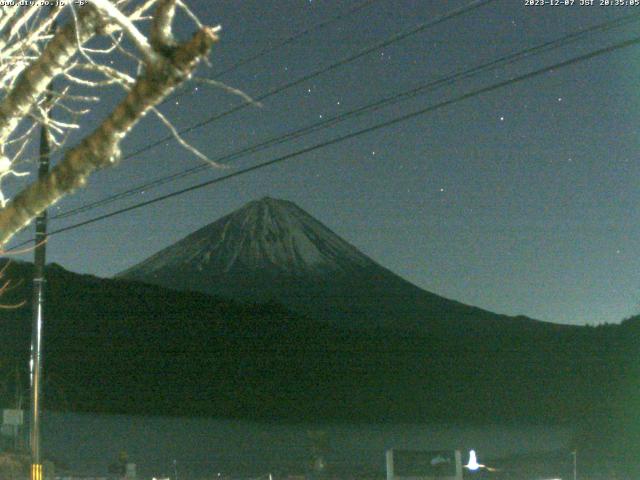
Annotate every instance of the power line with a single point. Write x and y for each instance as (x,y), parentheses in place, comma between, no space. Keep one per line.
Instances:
(403,118)
(273,48)
(395,38)
(475,4)
(295,37)
(283,43)
(368,108)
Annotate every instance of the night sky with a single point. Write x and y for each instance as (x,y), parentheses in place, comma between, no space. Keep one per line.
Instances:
(522,200)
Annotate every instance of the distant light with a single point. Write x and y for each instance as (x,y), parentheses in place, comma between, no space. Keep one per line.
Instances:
(473,464)
(473,461)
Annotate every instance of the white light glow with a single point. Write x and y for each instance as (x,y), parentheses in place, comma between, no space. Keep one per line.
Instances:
(473,464)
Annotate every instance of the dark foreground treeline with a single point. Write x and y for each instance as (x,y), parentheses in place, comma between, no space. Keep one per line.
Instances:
(125,347)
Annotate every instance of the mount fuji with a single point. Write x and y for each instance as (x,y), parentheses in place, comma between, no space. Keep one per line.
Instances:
(271,250)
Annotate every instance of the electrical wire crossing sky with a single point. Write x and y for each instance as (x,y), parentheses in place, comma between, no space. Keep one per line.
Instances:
(485,151)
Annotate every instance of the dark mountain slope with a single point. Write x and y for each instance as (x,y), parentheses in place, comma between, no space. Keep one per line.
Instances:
(121,346)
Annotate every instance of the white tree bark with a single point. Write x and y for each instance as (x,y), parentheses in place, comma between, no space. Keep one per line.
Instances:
(33,81)
(166,64)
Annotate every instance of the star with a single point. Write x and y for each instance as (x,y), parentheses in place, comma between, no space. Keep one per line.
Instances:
(502,119)
(559,99)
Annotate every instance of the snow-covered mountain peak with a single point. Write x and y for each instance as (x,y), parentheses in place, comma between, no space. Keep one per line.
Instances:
(265,234)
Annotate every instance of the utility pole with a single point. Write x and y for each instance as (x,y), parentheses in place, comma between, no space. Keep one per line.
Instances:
(575,464)
(38,292)
(38,305)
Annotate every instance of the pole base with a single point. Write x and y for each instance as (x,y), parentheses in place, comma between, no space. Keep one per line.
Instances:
(36,471)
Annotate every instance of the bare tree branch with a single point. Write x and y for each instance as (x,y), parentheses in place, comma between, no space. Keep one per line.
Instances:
(138,39)
(101,148)
(33,82)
